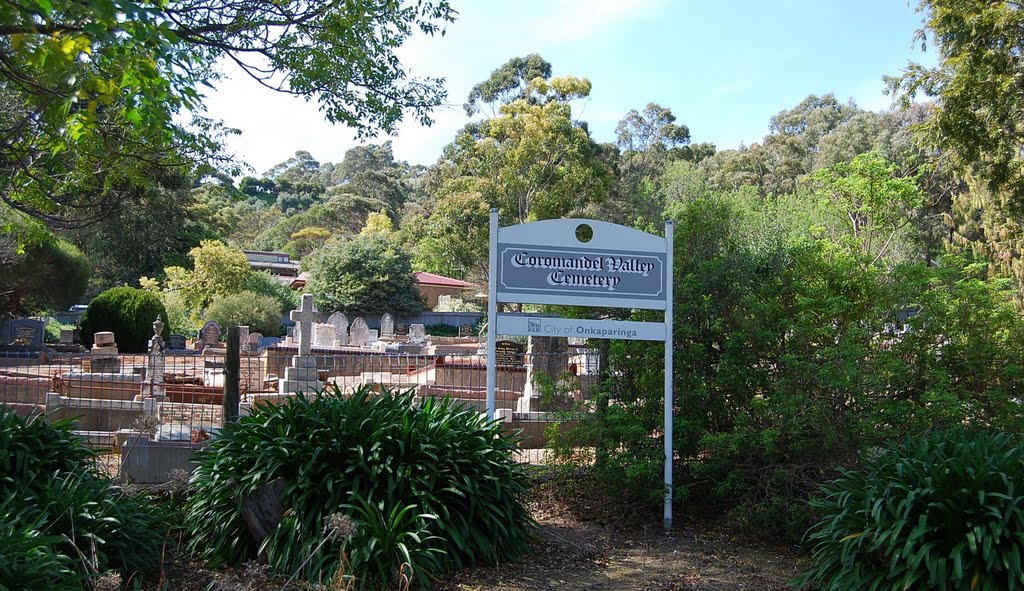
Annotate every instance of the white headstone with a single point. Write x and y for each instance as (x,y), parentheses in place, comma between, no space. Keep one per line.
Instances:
(417,333)
(387,326)
(323,336)
(374,335)
(103,339)
(340,322)
(303,319)
(360,335)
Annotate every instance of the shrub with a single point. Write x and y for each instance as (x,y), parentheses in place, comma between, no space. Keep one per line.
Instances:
(367,273)
(940,511)
(128,313)
(263,283)
(52,330)
(260,313)
(431,485)
(58,509)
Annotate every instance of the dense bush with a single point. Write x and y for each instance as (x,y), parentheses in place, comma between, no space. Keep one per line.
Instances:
(128,313)
(433,485)
(939,511)
(264,283)
(261,313)
(64,522)
(787,364)
(367,273)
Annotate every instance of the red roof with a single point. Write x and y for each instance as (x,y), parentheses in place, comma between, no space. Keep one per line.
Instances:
(424,278)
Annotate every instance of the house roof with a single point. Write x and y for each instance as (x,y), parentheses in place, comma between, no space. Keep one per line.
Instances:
(424,278)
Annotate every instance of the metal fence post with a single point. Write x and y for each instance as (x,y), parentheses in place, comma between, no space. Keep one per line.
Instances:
(232,362)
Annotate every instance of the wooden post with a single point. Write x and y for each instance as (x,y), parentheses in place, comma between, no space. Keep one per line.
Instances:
(232,364)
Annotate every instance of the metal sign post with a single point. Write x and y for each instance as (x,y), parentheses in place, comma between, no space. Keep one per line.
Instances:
(581,262)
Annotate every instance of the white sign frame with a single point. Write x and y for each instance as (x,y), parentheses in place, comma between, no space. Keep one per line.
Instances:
(606,238)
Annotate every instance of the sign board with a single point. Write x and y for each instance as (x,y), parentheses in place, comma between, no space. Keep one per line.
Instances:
(525,325)
(578,262)
(548,263)
(562,276)
(509,353)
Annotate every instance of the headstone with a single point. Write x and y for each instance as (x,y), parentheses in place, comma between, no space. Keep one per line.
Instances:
(154,387)
(323,336)
(303,319)
(177,342)
(340,322)
(417,333)
(255,340)
(548,356)
(243,339)
(23,332)
(465,331)
(387,326)
(104,354)
(374,335)
(301,375)
(360,335)
(210,334)
(402,330)
(509,353)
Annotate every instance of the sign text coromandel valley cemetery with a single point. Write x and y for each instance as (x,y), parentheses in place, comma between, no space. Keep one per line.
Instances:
(553,273)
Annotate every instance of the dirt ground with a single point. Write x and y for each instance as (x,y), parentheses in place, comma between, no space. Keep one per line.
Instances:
(572,554)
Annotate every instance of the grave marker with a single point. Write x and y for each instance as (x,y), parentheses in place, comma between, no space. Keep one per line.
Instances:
(340,322)
(387,326)
(360,335)
(210,334)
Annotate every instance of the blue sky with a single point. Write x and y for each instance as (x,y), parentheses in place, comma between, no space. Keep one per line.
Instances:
(724,68)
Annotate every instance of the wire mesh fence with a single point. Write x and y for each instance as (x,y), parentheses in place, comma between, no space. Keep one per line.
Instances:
(146,416)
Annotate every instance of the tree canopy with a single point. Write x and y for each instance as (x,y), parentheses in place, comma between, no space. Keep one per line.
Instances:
(369,273)
(91,90)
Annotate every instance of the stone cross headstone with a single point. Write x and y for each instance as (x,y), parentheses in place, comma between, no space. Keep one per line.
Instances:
(360,335)
(210,334)
(303,319)
(340,322)
(417,333)
(387,326)
(323,336)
